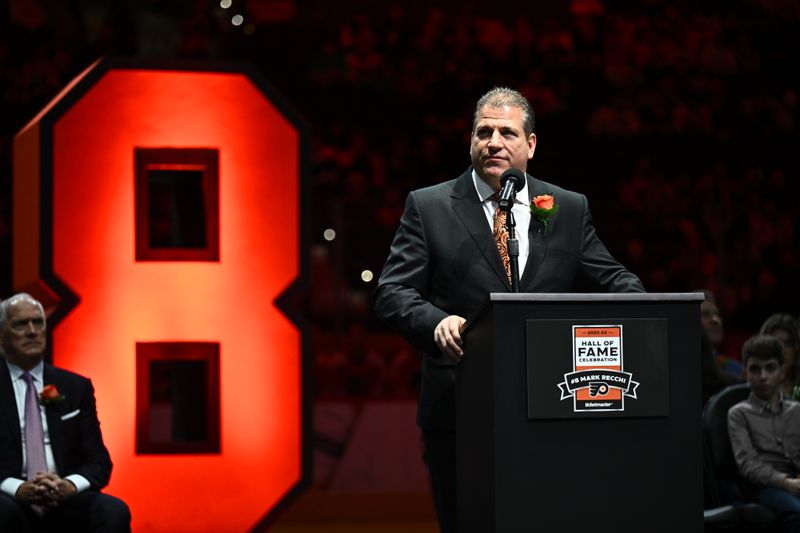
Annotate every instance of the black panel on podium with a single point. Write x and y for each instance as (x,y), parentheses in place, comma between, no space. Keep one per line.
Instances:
(581,412)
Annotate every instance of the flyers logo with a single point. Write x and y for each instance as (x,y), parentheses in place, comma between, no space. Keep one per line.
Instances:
(598,381)
(598,387)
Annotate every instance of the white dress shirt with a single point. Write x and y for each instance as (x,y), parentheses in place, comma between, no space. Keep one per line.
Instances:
(10,485)
(521,210)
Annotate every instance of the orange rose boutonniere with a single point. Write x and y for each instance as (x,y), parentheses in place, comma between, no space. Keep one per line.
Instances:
(543,207)
(50,395)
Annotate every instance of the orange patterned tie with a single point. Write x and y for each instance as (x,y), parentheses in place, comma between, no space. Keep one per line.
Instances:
(500,232)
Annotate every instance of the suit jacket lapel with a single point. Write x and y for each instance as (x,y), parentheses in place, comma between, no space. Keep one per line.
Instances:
(537,240)
(469,210)
(53,414)
(8,404)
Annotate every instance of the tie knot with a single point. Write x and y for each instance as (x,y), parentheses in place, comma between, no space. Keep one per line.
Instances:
(28,377)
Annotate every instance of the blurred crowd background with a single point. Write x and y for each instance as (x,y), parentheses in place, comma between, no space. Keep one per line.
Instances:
(678,120)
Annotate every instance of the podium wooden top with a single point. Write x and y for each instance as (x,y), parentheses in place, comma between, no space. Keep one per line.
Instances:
(597,297)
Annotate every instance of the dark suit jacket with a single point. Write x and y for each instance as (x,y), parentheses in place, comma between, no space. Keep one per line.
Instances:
(76,442)
(444,261)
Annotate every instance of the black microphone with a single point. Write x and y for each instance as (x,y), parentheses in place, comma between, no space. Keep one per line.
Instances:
(511,181)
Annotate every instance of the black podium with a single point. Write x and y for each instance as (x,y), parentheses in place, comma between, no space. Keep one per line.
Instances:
(581,413)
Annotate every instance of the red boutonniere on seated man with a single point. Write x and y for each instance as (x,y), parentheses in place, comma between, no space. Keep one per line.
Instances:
(50,395)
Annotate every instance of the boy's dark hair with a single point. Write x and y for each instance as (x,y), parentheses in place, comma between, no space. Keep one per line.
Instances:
(763,347)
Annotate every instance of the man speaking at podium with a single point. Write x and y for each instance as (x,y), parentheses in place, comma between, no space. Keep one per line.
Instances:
(450,252)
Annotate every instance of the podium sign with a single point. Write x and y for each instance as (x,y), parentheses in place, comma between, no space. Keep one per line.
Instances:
(602,367)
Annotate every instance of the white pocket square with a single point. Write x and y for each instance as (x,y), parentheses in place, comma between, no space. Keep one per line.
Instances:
(73,414)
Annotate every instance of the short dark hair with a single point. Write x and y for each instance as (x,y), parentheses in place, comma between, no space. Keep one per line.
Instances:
(763,347)
(783,321)
(708,294)
(503,96)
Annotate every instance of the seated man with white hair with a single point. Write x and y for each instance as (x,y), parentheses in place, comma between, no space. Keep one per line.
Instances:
(53,462)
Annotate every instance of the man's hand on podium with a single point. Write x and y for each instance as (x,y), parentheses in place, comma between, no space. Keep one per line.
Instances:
(447,335)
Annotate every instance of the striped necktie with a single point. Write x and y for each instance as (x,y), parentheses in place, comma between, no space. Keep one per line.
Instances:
(34,432)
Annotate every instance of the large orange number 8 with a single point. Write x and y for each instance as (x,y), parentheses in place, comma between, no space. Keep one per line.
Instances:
(76,247)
